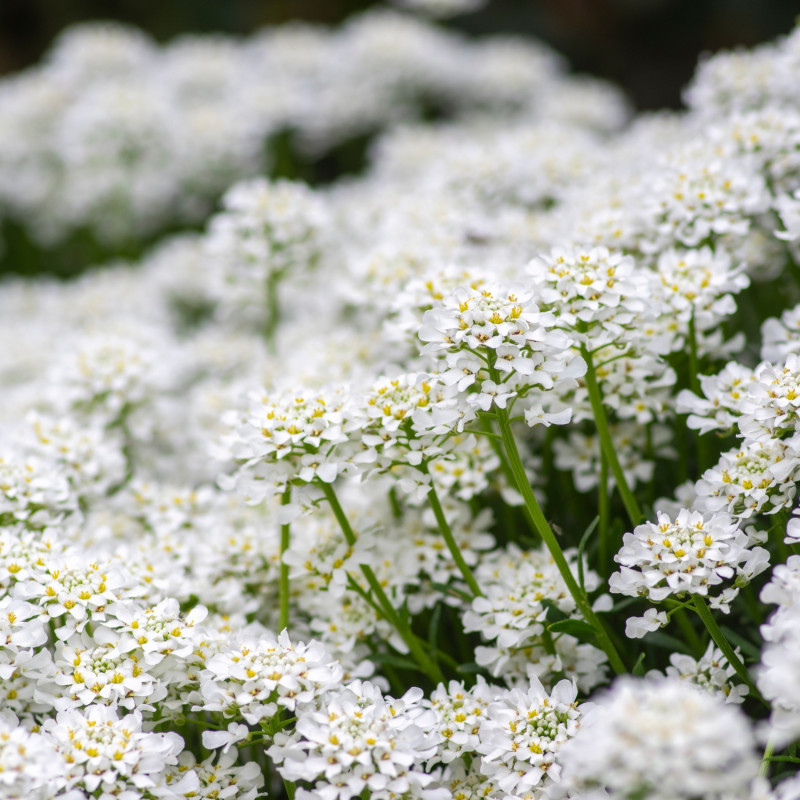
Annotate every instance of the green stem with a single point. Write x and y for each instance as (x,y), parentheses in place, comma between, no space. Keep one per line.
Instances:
(607,445)
(541,526)
(704,612)
(603,512)
(286,498)
(497,445)
(447,534)
(768,751)
(430,667)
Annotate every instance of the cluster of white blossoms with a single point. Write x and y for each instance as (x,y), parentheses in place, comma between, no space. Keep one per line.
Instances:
(121,135)
(264,233)
(356,490)
(360,741)
(496,345)
(518,588)
(711,672)
(619,748)
(780,662)
(691,554)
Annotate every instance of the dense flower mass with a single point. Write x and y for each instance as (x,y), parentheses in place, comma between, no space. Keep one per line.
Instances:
(690,554)
(619,745)
(381,479)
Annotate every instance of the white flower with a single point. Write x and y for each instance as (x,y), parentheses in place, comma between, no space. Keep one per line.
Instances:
(254,677)
(496,333)
(522,735)
(725,393)
(594,294)
(216,778)
(442,8)
(638,627)
(780,659)
(266,231)
(286,436)
(29,765)
(624,737)
(360,740)
(580,453)
(101,751)
(459,714)
(691,553)
(514,584)
(758,477)
(213,740)
(712,673)
(789,210)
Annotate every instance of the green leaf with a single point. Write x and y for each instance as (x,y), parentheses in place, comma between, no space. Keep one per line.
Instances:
(582,546)
(638,667)
(470,668)
(445,588)
(578,628)
(554,613)
(433,627)
(395,661)
(747,647)
(671,643)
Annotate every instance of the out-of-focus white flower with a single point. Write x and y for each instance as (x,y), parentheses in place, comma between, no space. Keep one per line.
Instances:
(441,8)
(623,736)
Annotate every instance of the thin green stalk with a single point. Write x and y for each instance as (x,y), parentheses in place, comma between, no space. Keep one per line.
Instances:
(603,548)
(497,445)
(283,591)
(704,612)
(430,667)
(607,445)
(777,533)
(541,526)
(452,545)
(768,751)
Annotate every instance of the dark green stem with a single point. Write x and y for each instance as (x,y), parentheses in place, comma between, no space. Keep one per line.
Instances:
(603,512)
(606,443)
(541,526)
(701,443)
(430,667)
(447,535)
(704,612)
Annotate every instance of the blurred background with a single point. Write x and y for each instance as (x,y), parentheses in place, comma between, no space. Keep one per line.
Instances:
(649,47)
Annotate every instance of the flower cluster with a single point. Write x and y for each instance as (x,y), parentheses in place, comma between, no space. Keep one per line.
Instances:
(323,499)
(690,554)
(619,737)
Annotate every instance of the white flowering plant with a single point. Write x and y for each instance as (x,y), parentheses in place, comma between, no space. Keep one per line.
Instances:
(472,475)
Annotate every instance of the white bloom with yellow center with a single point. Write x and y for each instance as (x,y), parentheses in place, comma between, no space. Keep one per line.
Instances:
(690,554)
(522,734)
